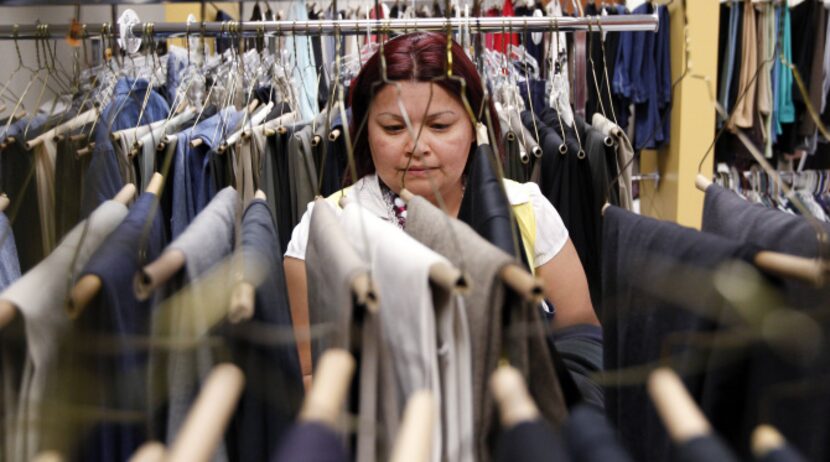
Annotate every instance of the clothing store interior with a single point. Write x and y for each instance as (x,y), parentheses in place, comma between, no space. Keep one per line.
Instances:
(415,230)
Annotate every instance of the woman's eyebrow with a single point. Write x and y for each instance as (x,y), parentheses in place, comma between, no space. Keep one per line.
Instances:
(434,114)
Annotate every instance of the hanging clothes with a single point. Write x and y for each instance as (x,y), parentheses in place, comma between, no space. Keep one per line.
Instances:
(591,438)
(644,260)
(273,379)
(736,414)
(642,76)
(529,441)
(117,314)
(103,177)
(39,295)
(204,243)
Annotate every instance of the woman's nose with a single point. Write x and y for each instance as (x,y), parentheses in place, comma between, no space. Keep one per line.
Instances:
(418,147)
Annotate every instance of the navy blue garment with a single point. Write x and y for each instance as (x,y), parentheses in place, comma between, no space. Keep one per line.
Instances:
(531,441)
(311,442)
(537,96)
(642,75)
(264,348)
(704,449)
(591,438)
(658,286)
(785,453)
(103,177)
(732,393)
(104,335)
(193,182)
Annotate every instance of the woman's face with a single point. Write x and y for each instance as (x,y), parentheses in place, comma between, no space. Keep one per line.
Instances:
(444,135)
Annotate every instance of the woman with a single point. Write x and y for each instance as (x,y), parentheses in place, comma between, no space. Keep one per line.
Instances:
(387,157)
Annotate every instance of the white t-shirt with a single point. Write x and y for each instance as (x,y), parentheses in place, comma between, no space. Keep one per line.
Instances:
(551,233)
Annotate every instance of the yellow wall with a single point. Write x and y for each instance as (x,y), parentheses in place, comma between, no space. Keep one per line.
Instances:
(692,120)
(178,12)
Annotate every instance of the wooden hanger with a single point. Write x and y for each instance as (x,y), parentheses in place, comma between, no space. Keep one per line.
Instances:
(48,456)
(60,130)
(682,418)
(510,392)
(513,275)
(8,310)
(332,378)
(808,270)
(245,130)
(151,451)
(88,287)
(158,272)
(414,440)
(765,439)
(205,424)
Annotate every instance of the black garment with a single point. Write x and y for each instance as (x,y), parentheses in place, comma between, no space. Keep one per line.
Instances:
(19,182)
(70,169)
(656,278)
(805,19)
(108,369)
(275,177)
(322,67)
(530,442)
(602,162)
(579,348)
(514,168)
(731,397)
(705,448)
(311,442)
(785,453)
(567,182)
(485,206)
(590,437)
(333,163)
(263,347)
(257,43)
(224,41)
(595,103)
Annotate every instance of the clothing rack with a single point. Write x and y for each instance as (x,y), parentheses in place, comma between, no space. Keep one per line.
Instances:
(620,23)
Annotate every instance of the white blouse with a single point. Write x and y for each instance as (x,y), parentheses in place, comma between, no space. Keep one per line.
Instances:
(551,233)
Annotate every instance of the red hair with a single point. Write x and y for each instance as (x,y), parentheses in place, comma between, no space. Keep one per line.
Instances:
(416,57)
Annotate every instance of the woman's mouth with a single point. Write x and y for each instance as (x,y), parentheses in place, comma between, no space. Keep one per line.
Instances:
(418,171)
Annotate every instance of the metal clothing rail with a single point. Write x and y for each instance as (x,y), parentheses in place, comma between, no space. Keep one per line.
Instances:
(344,26)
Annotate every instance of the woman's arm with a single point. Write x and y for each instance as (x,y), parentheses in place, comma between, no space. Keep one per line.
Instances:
(295,278)
(567,287)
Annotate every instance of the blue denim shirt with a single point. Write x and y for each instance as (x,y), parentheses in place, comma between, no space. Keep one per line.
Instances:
(192,188)
(103,178)
(9,263)
(642,76)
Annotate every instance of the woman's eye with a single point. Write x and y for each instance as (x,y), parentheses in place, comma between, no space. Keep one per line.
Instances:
(393,128)
(440,126)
